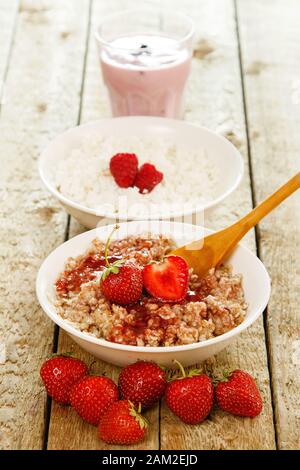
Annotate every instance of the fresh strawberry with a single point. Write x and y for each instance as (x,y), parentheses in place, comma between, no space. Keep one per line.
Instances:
(142,383)
(238,394)
(190,397)
(92,396)
(122,424)
(167,280)
(123,286)
(124,167)
(59,374)
(147,178)
(121,283)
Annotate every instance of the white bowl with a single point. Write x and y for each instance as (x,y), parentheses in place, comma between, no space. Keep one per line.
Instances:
(188,136)
(256,283)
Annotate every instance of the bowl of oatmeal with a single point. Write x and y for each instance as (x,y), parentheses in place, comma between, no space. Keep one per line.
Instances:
(199,167)
(214,311)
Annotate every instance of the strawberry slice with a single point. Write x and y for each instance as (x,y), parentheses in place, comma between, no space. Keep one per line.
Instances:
(167,281)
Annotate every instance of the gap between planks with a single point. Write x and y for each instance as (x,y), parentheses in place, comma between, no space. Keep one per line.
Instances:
(269,38)
(67,230)
(232,355)
(9,51)
(37,224)
(254,203)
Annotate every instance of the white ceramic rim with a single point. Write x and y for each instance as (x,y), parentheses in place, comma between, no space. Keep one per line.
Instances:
(111,215)
(152,349)
(163,11)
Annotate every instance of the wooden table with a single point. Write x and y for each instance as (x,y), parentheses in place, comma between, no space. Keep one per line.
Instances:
(245,85)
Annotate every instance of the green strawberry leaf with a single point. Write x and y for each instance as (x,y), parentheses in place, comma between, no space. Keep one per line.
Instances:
(141,420)
(113,268)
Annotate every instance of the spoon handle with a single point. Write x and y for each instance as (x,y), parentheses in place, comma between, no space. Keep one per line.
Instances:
(259,212)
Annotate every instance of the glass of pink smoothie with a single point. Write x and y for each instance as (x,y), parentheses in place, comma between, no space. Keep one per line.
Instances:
(145,59)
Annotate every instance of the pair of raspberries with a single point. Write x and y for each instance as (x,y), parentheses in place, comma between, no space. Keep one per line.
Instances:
(124,168)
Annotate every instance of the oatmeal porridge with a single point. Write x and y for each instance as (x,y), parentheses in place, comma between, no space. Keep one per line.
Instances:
(212,306)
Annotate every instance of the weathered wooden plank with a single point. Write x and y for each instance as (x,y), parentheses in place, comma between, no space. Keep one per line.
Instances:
(8,15)
(269,43)
(41,98)
(67,430)
(214,100)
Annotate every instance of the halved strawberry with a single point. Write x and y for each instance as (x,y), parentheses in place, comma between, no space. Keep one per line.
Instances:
(167,280)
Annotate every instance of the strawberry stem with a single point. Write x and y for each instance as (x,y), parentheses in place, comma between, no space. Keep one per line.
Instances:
(180,367)
(116,227)
(136,413)
(64,354)
(226,374)
(224,377)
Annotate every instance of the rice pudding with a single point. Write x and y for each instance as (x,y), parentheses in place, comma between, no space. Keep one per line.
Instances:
(83,176)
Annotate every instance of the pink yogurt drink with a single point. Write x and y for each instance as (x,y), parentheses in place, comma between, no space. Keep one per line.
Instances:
(146,74)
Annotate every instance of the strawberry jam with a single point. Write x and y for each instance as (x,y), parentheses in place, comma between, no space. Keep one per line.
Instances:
(192,296)
(136,324)
(71,280)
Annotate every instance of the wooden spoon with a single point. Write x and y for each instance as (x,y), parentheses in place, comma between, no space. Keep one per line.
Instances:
(210,251)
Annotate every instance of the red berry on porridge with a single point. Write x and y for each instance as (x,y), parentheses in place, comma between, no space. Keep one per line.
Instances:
(121,281)
(124,167)
(211,306)
(136,175)
(147,178)
(125,287)
(167,281)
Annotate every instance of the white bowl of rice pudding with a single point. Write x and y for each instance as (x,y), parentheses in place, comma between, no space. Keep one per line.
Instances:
(216,309)
(200,169)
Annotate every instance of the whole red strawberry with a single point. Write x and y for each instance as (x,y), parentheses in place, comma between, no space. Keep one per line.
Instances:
(121,283)
(167,280)
(124,167)
(122,424)
(147,178)
(190,397)
(123,286)
(142,383)
(238,394)
(92,396)
(59,374)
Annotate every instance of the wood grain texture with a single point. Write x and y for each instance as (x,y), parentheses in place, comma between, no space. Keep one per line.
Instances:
(41,99)
(67,430)
(270,36)
(8,15)
(214,99)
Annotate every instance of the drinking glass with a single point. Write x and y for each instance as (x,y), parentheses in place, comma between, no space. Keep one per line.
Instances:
(145,58)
